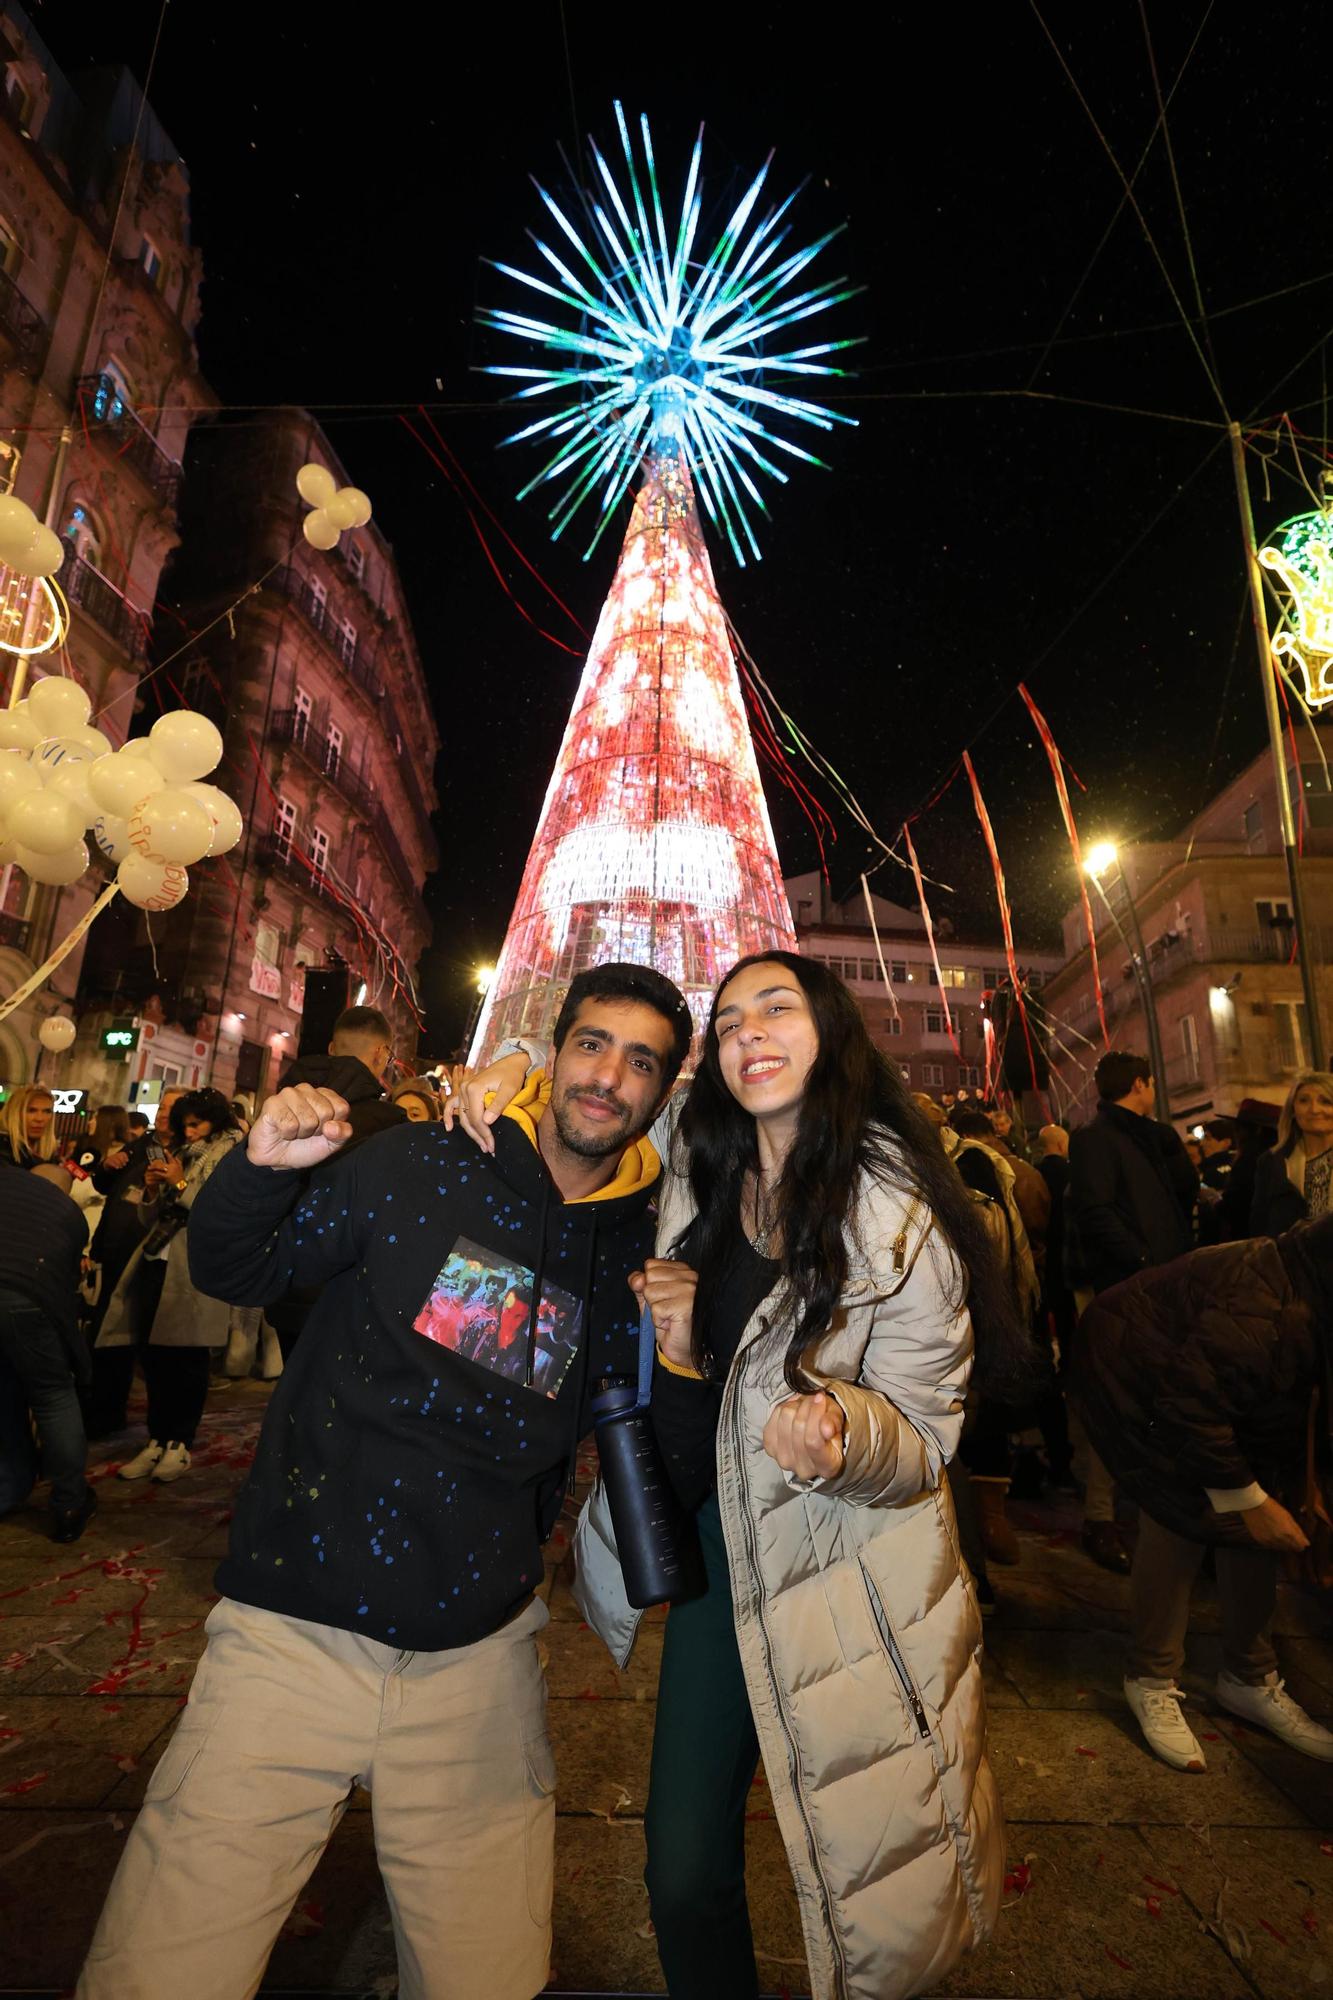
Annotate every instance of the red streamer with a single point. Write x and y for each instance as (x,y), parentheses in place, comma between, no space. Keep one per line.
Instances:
(1057,762)
(1006,920)
(930,934)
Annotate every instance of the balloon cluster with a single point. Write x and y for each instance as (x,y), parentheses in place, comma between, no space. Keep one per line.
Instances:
(144,804)
(336,507)
(26,546)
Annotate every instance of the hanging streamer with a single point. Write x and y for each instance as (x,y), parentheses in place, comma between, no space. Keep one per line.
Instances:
(1006,920)
(61,952)
(930,934)
(1056,760)
(879,950)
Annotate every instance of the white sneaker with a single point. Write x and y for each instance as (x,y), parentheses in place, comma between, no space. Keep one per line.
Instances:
(1165,1729)
(1270,1707)
(140,1466)
(171,1463)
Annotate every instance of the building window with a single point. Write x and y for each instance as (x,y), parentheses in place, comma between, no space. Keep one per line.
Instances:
(319,603)
(893,1024)
(302,707)
(114,396)
(356,560)
(284,826)
(870,971)
(1273,914)
(969,1077)
(333,755)
(1252,827)
(81,529)
(1289,1033)
(1034,981)
(993,976)
(934,1019)
(150,259)
(898,972)
(268,943)
(933,1074)
(347,641)
(319,849)
(953,975)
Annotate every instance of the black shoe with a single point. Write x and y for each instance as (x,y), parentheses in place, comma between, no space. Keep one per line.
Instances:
(1102,1541)
(985,1596)
(67,1526)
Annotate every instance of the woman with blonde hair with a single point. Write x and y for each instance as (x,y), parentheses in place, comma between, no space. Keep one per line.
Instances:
(28,1126)
(1294,1183)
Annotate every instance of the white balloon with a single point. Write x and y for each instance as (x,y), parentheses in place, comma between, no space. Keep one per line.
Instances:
(56,869)
(320,529)
(18,731)
(58,705)
(119,782)
(44,821)
(46,554)
(228,826)
(355,504)
(54,751)
(315,484)
(17,776)
(171,826)
(112,836)
(152,885)
(93,741)
(15,515)
(184,745)
(18,547)
(70,781)
(56,1032)
(342,510)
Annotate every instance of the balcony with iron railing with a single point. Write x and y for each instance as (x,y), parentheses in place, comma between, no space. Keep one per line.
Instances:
(292,726)
(110,418)
(273,851)
(88,588)
(22,326)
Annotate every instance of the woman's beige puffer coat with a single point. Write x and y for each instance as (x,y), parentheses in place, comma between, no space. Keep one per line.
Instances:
(857,1621)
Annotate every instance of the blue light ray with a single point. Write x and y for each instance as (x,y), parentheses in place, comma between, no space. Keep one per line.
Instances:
(655,349)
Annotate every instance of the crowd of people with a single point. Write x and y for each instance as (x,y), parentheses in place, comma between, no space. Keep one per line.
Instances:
(879,1320)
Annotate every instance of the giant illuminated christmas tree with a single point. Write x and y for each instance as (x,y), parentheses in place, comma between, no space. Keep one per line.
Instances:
(654,843)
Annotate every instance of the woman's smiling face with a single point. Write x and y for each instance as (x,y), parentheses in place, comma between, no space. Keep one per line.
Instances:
(766,1039)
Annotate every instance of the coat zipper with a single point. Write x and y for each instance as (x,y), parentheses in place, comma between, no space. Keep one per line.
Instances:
(793,1753)
(896,1660)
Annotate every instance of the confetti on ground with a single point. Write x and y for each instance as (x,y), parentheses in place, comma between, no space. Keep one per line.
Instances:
(1116,1959)
(1272,1930)
(1081,1751)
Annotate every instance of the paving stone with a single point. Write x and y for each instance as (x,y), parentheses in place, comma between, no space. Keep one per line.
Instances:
(65,1751)
(1277,1885)
(55,1870)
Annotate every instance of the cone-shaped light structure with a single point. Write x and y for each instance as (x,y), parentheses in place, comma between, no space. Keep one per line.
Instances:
(654,844)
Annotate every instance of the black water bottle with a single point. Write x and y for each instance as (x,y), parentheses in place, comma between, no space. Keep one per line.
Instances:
(658,1553)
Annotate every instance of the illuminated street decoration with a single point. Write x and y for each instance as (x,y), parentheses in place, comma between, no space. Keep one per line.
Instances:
(1303,561)
(662,344)
(654,844)
(34,617)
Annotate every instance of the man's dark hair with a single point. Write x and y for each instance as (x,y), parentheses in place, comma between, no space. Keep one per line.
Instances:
(1221,1129)
(139,1118)
(642,983)
(362,1021)
(970,1124)
(1118,1072)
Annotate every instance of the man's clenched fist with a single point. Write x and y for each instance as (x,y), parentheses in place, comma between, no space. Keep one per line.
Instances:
(300,1127)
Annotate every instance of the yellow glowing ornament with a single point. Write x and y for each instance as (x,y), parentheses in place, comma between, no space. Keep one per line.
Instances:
(1303,562)
(34,616)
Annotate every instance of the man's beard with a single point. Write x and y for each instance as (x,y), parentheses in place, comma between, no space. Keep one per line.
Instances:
(589,1145)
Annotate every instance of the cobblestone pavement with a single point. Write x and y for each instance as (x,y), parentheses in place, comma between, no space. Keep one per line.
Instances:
(1127,1880)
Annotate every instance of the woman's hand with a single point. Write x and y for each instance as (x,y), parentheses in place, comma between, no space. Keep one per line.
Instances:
(502,1081)
(806,1436)
(667,1289)
(167,1169)
(1272,1527)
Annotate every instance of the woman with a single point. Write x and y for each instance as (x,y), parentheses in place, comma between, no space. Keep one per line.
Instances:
(28,1127)
(1204,1385)
(1295,1180)
(154,1307)
(109,1138)
(815,1345)
(42,1355)
(418,1102)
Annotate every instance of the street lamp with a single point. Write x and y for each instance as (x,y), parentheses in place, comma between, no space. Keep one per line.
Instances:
(1099,861)
(481,979)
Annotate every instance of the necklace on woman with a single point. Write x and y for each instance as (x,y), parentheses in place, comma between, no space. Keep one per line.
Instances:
(763,1216)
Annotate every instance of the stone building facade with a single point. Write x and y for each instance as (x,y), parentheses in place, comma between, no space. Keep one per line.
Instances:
(315,681)
(99,384)
(1215,910)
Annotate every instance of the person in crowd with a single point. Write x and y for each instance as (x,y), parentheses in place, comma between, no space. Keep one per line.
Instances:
(1218,1146)
(140,1125)
(1058,1317)
(826,1275)
(118,1235)
(1010,1134)
(1129,1205)
(359,1053)
(416,1099)
(42,1354)
(243,1111)
(1194,1148)
(1256,1123)
(379,1616)
(1295,1179)
(109,1138)
(28,1126)
(155,1310)
(1204,1386)
(1030,1191)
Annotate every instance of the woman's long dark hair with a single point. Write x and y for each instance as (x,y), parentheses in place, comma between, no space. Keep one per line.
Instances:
(206,1103)
(856,1118)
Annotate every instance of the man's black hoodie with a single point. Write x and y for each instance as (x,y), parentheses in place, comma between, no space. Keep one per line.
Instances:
(401,1490)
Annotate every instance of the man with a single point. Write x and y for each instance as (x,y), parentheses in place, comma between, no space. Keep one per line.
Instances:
(138,1122)
(43,1356)
(358,1055)
(379,1616)
(1057,1299)
(118,1235)
(1030,1190)
(1219,1153)
(1129,1206)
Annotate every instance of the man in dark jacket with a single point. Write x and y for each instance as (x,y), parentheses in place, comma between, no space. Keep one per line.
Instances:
(357,1058)
(380,1608)
(1197,1384)
(1129,1205)
(42,1353)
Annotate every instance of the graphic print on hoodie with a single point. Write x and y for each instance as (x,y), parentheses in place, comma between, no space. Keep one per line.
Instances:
(401,1489)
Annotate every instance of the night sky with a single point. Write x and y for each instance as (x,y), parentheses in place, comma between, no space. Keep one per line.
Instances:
(349,175)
